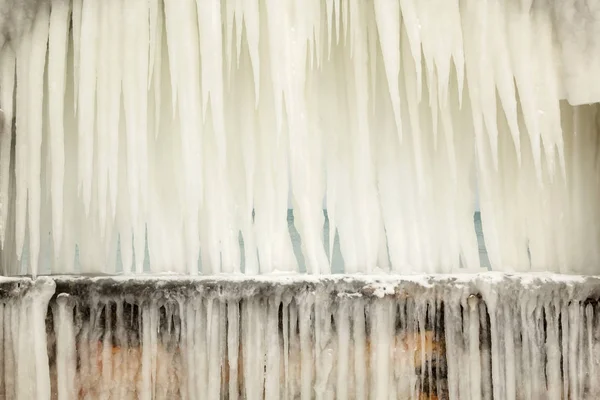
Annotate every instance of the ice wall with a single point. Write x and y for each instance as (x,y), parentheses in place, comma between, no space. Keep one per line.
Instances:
(456,338)
(181,126)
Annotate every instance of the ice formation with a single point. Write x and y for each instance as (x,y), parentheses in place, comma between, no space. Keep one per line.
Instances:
(517,337)
(157,135)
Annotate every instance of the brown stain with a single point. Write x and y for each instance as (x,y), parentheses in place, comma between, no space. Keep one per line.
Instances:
(423,345)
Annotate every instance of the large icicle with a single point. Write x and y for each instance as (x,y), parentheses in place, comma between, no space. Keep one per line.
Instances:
(7,91)
(39,43)
(57,75)
(87,99)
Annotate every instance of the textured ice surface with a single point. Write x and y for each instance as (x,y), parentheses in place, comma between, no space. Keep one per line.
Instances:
(161,133)
(355,337)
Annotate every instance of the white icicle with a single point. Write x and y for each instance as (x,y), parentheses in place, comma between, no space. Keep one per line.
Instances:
(57,71)
(388,24)
(520,46)
(102,106)
(141,87)
(154,19)
(76,20)
(7,92)
(412,27)
(252,22)
(22,140)
(157,37)
(211,54)
(114,99)
(66,362)
(497,39)
(39,43)
(87,100)
(131,104)
(184,23)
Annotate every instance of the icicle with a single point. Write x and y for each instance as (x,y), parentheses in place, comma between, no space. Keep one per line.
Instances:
(503,69)
(141,87)
(76,19)
(211,54)
(87,99)
(252,23)
(233,320)
(520,46)
(132,105)
(272,373)
(65,348)
(7,90)
(39,43)
(103,104)
(155,38)
(57,74)
(22,140)
(411,26)
(388,23)
(113,116)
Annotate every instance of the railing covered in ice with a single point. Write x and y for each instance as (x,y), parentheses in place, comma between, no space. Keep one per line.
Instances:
(500,337)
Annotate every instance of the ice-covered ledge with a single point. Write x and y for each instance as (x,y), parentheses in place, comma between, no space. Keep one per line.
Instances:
(227,286)
(470,326)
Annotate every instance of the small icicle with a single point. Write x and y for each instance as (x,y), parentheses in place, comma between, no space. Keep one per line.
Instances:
(474,349)
(66,362)
(273,356)
(305,316)
(233,346)
(360,351)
